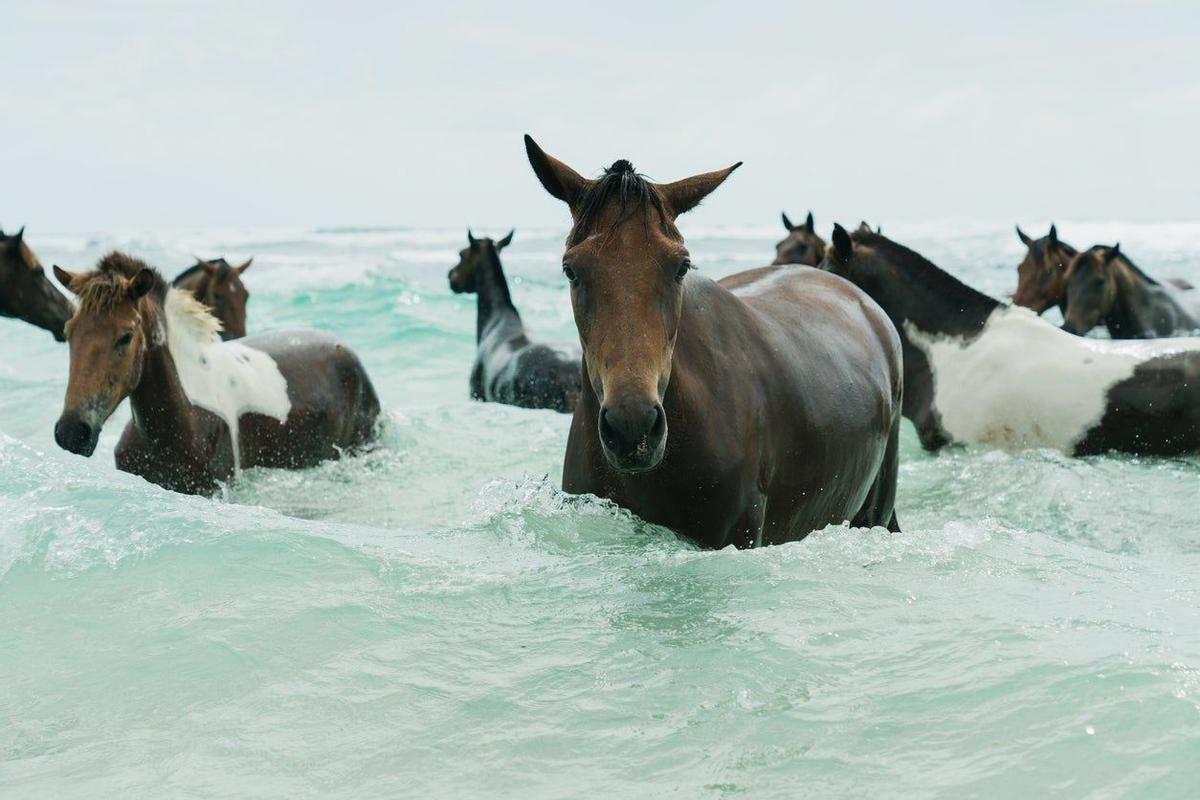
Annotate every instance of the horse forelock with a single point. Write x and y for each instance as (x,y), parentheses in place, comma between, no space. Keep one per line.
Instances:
(622,185)
(108,285)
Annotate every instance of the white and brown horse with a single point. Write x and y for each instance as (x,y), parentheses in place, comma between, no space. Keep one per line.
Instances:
(979,372)
(202,408)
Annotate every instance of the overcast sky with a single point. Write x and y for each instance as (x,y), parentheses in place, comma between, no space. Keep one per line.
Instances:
(145,115)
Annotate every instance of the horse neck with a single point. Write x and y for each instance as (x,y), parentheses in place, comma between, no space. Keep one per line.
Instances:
(7,309)
(493,300)
(934,303)
(160,406)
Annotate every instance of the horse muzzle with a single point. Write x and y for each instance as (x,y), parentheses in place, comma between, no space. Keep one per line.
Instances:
(633,435)
(76,435)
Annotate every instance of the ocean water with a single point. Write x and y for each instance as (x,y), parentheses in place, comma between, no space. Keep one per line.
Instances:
(435,619)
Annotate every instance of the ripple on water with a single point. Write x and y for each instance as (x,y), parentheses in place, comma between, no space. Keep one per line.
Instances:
(435,618)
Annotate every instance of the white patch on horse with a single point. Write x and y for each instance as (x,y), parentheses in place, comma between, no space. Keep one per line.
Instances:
(1022,382)
(227,378)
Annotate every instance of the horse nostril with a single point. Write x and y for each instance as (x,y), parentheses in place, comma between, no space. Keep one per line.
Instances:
(660,421)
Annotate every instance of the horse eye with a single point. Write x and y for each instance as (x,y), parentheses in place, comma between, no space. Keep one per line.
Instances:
(570,273)
(684,266)
(124,341)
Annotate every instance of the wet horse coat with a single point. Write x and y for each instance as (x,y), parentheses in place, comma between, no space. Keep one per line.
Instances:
(202,408)
(748,411)
(509,367)
(977,371)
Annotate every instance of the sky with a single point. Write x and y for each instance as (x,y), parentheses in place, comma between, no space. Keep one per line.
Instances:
(184,115)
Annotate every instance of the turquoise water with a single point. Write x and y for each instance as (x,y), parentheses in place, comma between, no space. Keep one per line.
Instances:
(434,619)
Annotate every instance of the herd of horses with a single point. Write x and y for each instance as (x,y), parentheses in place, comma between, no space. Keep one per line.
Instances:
(745,411)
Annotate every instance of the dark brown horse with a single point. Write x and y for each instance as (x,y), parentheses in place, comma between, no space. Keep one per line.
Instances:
(1042,274)
(202,408)
(802,245)
(509,367)
(218,285)
(979,372)
(1105,288)
(25,291)
(780,388)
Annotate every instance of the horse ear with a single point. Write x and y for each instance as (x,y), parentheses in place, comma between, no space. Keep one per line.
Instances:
(808,223)
(506,241)
(19,235)
(471,238)
(684,195)
(1113,253)
(67,279)
(245,266)
(842,246)
(558,179)
(1053,235)
(787,223)
(140,285)
(1028,242)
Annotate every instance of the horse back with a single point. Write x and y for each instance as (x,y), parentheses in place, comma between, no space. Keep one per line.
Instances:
(334,405)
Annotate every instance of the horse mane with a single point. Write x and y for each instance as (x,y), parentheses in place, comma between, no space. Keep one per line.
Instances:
(620,183)
(1138,270)
(184,312)
(107,285)
(916,269)
(1102,249)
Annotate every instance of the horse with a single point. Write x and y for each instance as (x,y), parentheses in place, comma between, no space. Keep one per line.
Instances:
(1041,275)
(203,409)
(747,411)
(25,291)
(1104,286)
(979,372)
(509,368)
(218,285)
(802,245)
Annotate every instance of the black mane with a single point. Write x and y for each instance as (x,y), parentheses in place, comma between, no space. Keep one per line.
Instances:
(1129,263)
(620,183)
(962,308)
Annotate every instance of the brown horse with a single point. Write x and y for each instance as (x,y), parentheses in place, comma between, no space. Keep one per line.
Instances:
(1042,274)
(25,291)
(218,285)
(780,387)
(202,408)
(1104,287)
(802,245)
